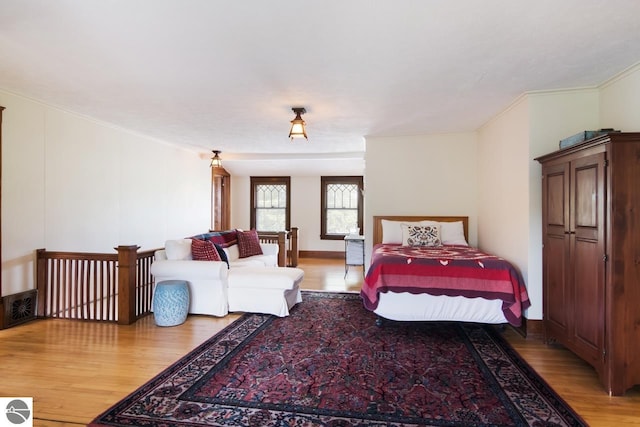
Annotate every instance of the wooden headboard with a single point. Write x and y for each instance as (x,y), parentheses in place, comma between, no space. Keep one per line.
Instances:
(377,223)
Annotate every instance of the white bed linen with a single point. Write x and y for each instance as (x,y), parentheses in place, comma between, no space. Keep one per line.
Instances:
(405,306)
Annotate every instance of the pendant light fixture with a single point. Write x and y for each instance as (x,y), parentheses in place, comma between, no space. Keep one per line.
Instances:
(297,124)
(216,162)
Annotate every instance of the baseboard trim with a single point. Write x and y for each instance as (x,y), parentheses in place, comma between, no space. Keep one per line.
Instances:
(535,329)
(322,254)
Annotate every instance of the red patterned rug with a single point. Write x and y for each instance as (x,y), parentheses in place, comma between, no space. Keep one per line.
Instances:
(327,364)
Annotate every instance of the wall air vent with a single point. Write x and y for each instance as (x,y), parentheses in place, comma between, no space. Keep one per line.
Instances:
(19,308)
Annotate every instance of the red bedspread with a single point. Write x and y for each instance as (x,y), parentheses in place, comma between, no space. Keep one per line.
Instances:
(445,270)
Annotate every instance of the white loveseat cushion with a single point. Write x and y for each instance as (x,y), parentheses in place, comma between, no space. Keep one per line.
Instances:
(265,277)
(269,257)
(269,290)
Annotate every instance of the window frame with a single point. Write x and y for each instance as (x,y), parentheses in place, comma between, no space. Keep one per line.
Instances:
(324,182)
(272,180)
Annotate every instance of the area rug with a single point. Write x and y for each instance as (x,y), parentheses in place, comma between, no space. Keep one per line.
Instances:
(328,364)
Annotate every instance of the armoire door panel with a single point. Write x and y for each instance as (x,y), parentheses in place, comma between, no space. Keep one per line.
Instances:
(588,297)
(556,201)
(556,306)
(587,183)
(585,200)
(556,303)
(556,196)
(587,252)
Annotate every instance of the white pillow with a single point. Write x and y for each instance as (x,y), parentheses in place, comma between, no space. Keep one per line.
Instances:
(178,249)
(452,233)
(392,230)
(233,252)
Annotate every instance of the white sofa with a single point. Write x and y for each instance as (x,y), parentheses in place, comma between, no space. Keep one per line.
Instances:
(252,284)
(207,282)
(180,249)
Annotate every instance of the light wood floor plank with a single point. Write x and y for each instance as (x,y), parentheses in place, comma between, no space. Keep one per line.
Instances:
(76,370)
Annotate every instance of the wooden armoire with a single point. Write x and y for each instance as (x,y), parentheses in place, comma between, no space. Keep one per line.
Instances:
(591,254)
(220,199)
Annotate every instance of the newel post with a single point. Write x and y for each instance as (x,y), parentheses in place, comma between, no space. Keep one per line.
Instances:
(282,244)
(294,246)
(41,281)
(127,259)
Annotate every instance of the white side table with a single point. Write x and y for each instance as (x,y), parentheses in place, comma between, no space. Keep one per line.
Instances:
(353,252)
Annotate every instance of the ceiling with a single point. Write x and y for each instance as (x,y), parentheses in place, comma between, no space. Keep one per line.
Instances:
(224,75)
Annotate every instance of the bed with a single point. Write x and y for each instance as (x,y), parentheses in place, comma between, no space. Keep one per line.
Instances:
(444,281)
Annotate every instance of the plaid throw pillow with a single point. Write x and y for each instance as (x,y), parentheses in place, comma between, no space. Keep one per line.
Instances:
(204,250)
(248,243)
(223,238)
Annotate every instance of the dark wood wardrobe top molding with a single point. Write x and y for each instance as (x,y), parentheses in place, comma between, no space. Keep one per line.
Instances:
(616,137)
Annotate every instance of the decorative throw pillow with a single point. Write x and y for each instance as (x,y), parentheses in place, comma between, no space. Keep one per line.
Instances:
(248,243)
(204,250)
(222,254)
(223,238)
(421,235)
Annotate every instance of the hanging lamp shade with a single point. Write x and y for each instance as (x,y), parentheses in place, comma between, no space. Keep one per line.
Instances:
(297,124)
(216,162)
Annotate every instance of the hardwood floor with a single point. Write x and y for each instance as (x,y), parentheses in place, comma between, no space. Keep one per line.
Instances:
(76,370)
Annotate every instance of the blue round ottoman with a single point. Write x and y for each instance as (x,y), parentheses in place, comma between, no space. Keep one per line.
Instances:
(171,302)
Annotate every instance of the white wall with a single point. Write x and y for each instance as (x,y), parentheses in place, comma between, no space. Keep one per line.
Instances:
(510,196)
(503,181)
(421,175)
(620,101)
(554,116)
(70,183)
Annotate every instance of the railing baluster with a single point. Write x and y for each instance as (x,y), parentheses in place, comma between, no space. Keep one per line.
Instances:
(85,290)
(59,292)
(96,295)
(64,306)
(107,291)
(73,291)
(113,316)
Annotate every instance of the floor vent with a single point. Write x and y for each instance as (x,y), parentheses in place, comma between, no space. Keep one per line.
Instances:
(19,308)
